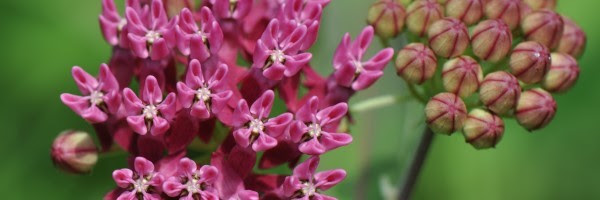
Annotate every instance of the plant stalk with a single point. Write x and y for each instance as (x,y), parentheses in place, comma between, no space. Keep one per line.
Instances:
(416,165)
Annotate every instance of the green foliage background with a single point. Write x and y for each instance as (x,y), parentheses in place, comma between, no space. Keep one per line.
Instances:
(41,40)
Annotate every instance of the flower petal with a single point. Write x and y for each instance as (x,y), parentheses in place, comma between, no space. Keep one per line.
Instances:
(261,108)
(264,142)
(123,177)
(306,169)
(137,124)
(151,93)
(327,179)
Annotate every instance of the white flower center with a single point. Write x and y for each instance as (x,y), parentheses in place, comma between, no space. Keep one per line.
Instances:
(152,36)
(121,24)
(359,66)
(314,130)
(202,35)
(140,185)
(192,186)
(277,56)
(256,126)
(203,94)
(96,97)
(309,189)
(150,111)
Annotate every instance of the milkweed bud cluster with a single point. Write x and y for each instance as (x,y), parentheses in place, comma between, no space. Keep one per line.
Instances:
(477,62)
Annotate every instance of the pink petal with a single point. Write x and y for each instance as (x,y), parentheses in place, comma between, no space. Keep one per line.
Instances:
(264,142)
(242,9)
(334,140)
(261,54)
(160,49)
(77,103)
(277,125)
(345,73)
(138,124)
(216,37)
(134,23)
(241,114)
(219,75)
(269,37)
(295,39)
(138,45)
(200,111)
(123,177)
(143,166)
(332,114)
(306,169)
(219,100)
(186,166)
(362,42)
(340,56)
(275,71)
(113,101)
(158,14)
(85,82)
(109,30)
(242,136)
(296,130)
(209,173)
(312,147)
(380,60)
(327,179)
(94,115)
(108,80)
(151,93)
(132,104)
(172,187)
(247,195)
(262,106)
(291,185)
(295,63)
(127,195)
(197,48)
(366,79)
(168,107)
(194,77)
(185,95)
(307,111)
(159,126)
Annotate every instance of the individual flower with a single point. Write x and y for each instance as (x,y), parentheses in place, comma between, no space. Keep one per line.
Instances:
(416,63)
(420,14)
(100,95)
(74,152)
(530,61)
(315,129)
(154,36)
(387,17)
(150,113)
(483,129)
(205,95)
(535,109)
(112,25)
(448,37)
(541,4)
(462,76)
(509,11)
(304,183)
(491,40)
(543,26)
(468,11)
(573,39)
(350,70)
(499,92)
(563,73)
(445,113)
(198,41)
(231,9)
(254,128)
(277,52)
(189,182)
(143,183)
(307,13)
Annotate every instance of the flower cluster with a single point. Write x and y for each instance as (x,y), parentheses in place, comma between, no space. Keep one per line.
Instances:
(207,78)
(515,55)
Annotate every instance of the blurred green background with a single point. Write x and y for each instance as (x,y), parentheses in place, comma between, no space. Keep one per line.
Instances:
(41,40)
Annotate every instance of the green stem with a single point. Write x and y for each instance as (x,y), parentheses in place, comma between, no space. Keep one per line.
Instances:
(384,42)
(413,91)
(376,102)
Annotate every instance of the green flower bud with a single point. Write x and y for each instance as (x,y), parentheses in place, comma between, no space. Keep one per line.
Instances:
(544,26)
(530,61)
(468,11)
(573,39)
(387,17)
(448,37)
(563,73)
(420,14)
(462,76)
(491,40)
(483,129)
(535,109)
(445,113)
(74,152)
(499,91)
(416,63)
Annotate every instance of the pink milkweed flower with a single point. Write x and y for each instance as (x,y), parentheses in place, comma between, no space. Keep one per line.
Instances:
(199,42)
(253,127)
(190,182)
(150,113)
(315,129)
(350,70)
(277,52)
(204,94)
(144,183)
(151,34)
(100,96)
(112,25)
(307,13)
(235,9)
(305,184)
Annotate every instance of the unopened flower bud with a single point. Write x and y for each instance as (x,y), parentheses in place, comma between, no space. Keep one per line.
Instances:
(499,92)
(416,63)
(530,61)
(491,40)
(541,4)
(387,17)
(573,39)
(74,152)
(509,11)
(462,76)
(483,129)
(468,11)
(563,73)
(420,14)
(448,37)
(535,109)
(544,26)
(445,113)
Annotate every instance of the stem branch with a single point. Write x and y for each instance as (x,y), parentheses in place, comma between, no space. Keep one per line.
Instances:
(416,165)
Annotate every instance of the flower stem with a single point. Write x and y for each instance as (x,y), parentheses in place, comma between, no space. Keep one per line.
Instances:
(413,91)
(416,165)
(376,102)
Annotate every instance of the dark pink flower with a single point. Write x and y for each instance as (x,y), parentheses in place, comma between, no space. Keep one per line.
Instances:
(253,126)
(190,182)
(235,9)
(305,184)
(205,95)
(315,129)
(150,113)
(199,42)
(144,182)
(277,52)
(350,70)
(112,25)
(151,33)
(307,13)
(100,96)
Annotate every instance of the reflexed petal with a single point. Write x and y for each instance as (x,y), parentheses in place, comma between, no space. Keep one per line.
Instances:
(85,82)
(194,77)
(297,129)
(261,108)
(242,136)
(335,140)
(332,114)
(143,166)
(131,103)
(94,115)
(198,50)
(275,71)
(127,195)
(366,79)
(160,49)
(306,169)
(380,60)
(123,177)
(312,147)
(307,111)
(185,95)
(277,125)
(209,173)
(138,45)
(241,114)
(295,63)
(137,124)
(186,166)
(172,187)
(159,126)
(344,74)
(151,92)
(327,179)
(108,80)
(168,107)
(77,103)
(200,111)
(264,142)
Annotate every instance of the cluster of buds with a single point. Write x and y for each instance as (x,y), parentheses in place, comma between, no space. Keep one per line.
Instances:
(517,53)
(209,76)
